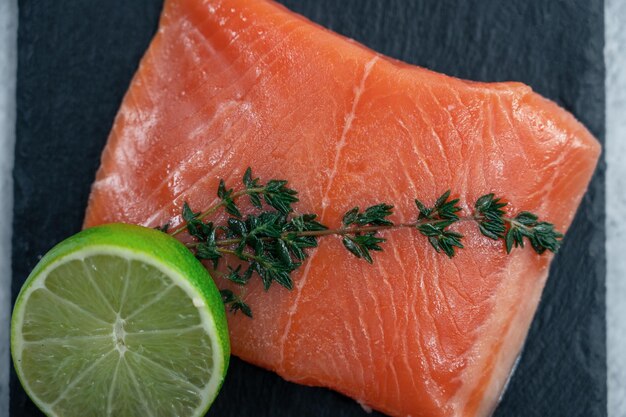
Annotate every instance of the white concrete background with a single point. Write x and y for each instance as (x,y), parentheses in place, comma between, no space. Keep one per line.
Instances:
(615,54)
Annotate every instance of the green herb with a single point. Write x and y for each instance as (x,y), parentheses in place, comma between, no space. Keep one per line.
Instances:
(492,223)
(235,303)
(490,216)
(358,242)
(541,235)
(435,223)
(164,228)
(275,193)
(273,241)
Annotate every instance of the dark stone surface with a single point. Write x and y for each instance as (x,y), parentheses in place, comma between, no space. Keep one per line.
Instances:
(76,59)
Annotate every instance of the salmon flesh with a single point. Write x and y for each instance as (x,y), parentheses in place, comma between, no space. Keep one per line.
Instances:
(227,84)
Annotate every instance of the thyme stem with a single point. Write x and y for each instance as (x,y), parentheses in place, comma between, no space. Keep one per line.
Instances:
(212,209)
(245,255)
(342,231)
(351,230)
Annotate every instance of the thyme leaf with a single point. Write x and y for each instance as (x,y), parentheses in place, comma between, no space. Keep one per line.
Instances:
(491,216)
(542,235)
(163,228)
(492,222)
(226,195)
(235,303)
(359,242)
(433,223)
(360,245)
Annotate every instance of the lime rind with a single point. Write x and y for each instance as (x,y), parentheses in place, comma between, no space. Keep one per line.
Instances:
(151,248)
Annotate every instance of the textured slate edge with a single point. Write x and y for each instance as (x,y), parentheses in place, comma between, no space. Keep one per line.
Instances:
(75,61)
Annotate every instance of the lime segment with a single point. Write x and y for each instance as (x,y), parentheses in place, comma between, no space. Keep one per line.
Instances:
(120,320)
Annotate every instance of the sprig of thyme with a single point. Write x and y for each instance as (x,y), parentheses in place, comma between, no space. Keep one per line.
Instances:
(235,303)
(275,193)
(492,223)
(360,242)
(441,216)
(273,242)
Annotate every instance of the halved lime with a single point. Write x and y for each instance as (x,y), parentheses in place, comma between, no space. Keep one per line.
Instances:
(120,320)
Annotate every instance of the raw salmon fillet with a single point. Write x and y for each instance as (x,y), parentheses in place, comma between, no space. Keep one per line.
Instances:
(228,84)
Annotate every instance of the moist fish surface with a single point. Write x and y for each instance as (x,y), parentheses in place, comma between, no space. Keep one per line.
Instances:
(235,83)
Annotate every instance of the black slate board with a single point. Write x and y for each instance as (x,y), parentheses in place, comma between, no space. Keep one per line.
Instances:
(76,59)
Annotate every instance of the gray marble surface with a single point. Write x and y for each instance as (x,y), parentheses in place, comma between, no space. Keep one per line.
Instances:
(8,64)
(615,57)
(616,198)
